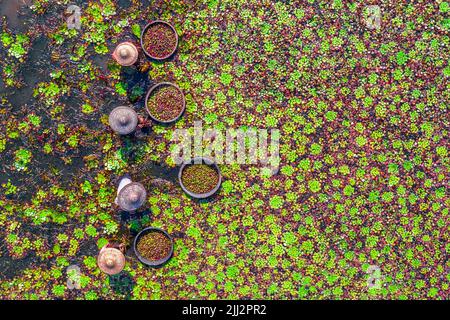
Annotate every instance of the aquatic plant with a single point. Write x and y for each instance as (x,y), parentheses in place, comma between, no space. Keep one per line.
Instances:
(364,151)
(23,158)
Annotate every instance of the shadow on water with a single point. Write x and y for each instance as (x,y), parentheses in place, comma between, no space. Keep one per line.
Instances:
(134,216)
(122,283)
(138,84)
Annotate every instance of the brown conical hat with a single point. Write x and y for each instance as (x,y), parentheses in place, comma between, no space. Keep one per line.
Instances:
(132,196)
(123,120)
(126,54)
(111,260)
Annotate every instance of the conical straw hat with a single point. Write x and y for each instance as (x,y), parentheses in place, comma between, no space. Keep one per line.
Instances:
(123,120)
(111,260)
(126,54)
(132,196)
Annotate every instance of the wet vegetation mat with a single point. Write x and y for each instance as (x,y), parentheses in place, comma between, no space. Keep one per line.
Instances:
(358,209)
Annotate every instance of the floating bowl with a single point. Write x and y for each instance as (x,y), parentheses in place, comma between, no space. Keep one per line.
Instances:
(206,194)
(150,92)
(144,31)
(155,263)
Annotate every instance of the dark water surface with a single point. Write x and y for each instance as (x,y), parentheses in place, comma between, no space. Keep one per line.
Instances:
(14,11)
(46,169)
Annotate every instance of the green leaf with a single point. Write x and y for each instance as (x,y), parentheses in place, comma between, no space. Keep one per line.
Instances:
(402,58)
(276,202)
(136,29)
